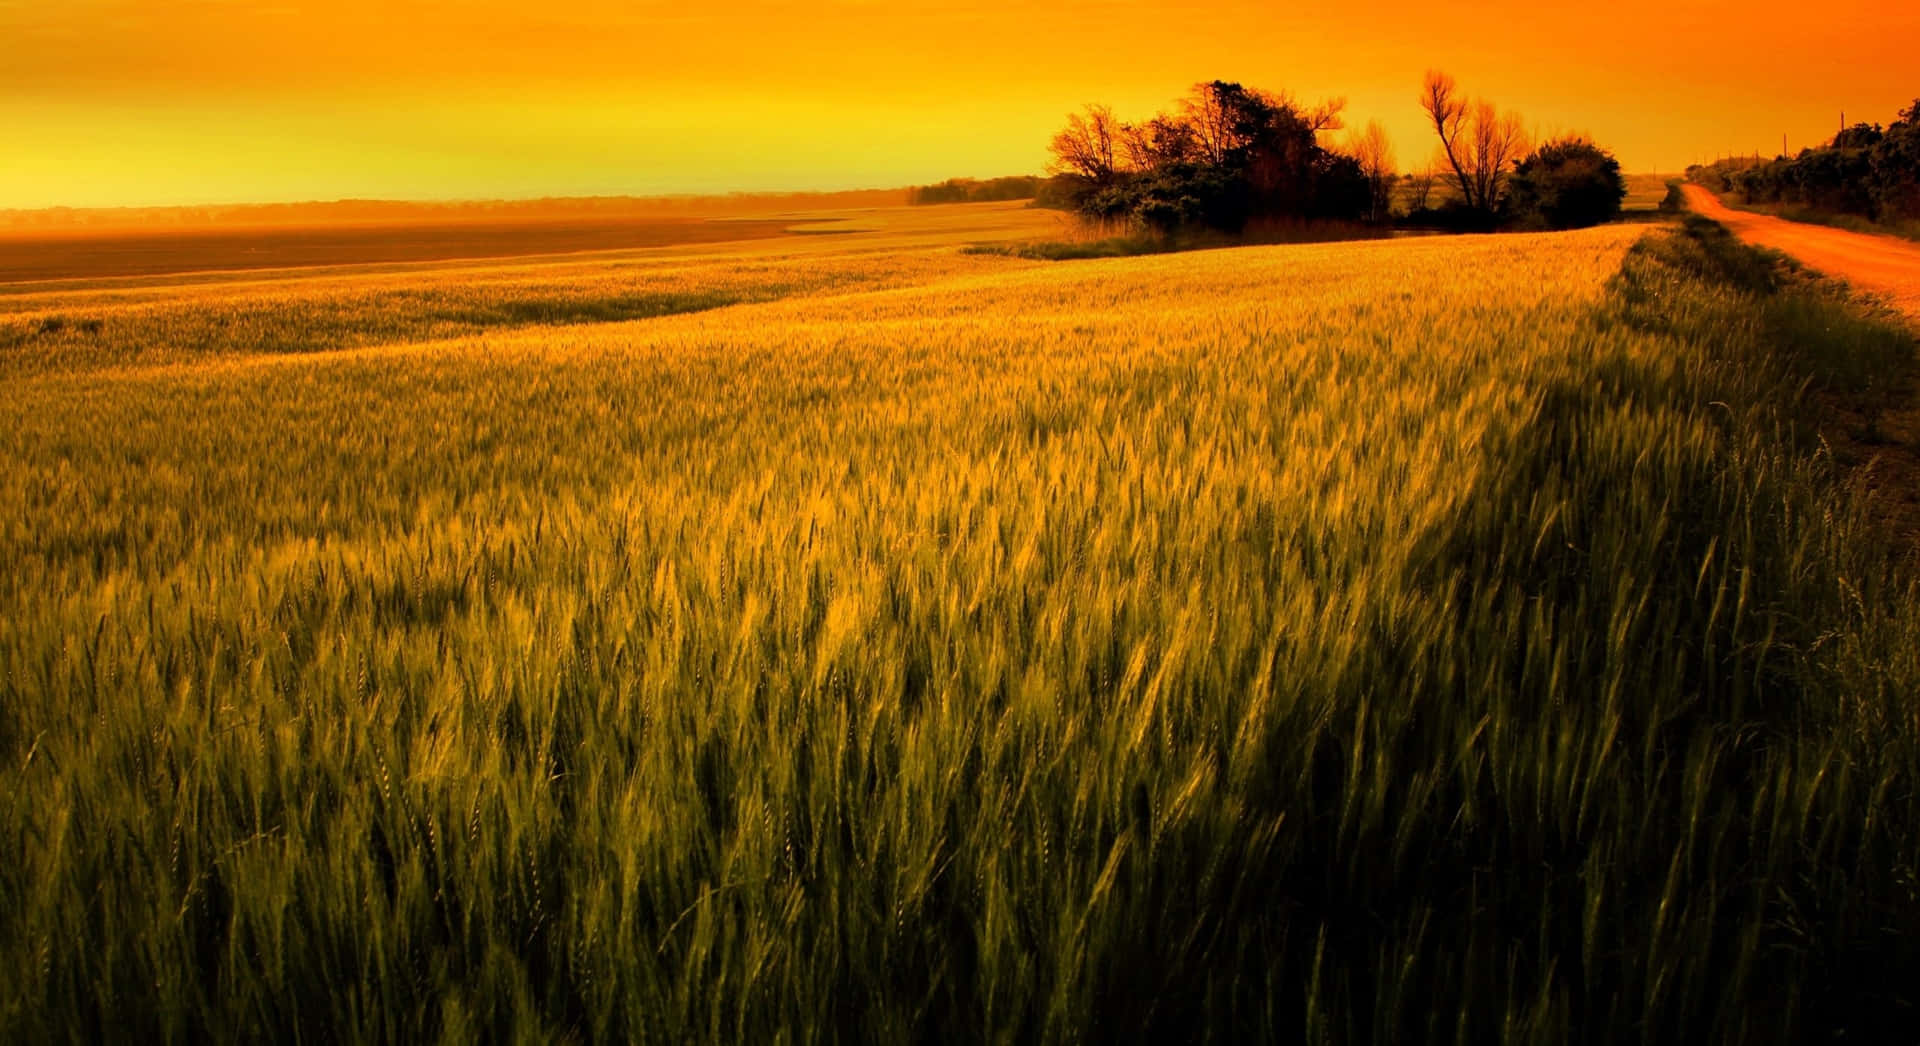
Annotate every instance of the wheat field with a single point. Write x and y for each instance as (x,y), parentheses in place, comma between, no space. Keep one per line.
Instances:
(1436,639)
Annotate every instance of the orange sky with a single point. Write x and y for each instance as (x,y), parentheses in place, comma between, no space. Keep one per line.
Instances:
(107,102)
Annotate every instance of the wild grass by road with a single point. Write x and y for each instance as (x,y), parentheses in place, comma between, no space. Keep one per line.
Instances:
(1878,265)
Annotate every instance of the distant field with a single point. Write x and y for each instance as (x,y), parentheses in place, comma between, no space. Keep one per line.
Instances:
(86,255)
(1645,191)
(38,256)
(64,325)
(33,257)
(844,637)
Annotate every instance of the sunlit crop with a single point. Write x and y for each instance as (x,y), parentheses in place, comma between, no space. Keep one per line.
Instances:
(1387,640)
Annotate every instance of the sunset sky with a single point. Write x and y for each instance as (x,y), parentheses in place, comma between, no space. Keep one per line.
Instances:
(133,102)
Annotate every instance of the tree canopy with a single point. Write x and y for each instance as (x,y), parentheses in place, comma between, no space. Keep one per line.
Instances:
(1567,183)
(1224,156)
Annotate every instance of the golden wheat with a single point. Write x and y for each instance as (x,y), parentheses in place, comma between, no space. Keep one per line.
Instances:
(1227,644)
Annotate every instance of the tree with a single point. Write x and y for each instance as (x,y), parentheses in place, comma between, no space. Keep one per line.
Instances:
(1447,111)
(1859,136)
(1895,167)
(1374,152)
(1227,154)
(1832,179)
(1159,142)
(1420,187)
(1498,140)
(1212,114)
(1085,149)
(1567,183)
(1477,140)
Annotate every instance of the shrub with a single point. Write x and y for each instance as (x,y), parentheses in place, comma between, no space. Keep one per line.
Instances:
(1567,183)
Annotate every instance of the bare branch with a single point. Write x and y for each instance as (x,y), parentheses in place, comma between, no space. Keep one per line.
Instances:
(1325,116)
(1086,147)
(1479,142)
(1439,96)
(1374,152)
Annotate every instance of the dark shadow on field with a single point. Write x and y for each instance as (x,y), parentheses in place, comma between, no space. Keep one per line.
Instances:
(1611,803)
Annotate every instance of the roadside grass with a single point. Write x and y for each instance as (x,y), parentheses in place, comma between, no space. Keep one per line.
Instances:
(1439,640)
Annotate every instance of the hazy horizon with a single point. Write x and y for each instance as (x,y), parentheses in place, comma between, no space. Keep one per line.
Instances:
(666,201)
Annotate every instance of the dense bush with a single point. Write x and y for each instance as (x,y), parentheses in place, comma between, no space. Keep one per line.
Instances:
(1865,170)
(1567,183)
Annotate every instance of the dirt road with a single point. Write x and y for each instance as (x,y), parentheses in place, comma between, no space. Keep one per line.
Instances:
(1878,265)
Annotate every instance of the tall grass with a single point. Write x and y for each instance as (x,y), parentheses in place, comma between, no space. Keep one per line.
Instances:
(1440,640)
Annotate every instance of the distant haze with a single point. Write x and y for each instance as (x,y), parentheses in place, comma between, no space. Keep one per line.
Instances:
(131,102)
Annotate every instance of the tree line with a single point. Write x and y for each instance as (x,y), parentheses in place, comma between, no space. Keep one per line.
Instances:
(1866,170)
(978,190)
(1227,156)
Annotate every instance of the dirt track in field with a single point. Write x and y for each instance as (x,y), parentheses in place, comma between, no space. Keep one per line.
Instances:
(1878,265)
(1877,437)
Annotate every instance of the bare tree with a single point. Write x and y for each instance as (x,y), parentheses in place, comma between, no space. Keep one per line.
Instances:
(1210,120)
(1479,142)
(1447,111)
(1420,187)
(1136,145)
(1086,146)
(1498,140)
(1374,152)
